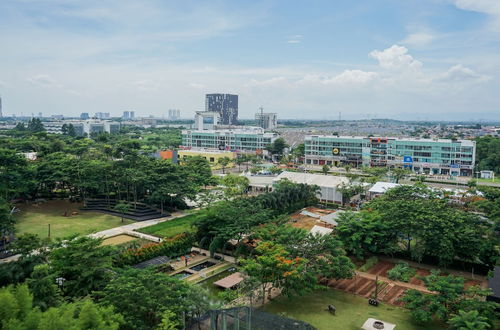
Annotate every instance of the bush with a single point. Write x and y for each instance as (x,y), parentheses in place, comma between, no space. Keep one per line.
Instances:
(370,262)
(401,272)
(171,247)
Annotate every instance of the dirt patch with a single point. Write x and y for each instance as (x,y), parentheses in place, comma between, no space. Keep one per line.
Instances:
(381,268)
(469,283)
(420,272)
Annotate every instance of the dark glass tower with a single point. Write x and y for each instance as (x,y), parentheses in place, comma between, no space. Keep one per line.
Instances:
(226,105)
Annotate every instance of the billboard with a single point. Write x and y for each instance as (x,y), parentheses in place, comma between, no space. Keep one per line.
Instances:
(407,159)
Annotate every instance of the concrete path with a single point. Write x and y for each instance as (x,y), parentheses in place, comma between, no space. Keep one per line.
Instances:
(130,228)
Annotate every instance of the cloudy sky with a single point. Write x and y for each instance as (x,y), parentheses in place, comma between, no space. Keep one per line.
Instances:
(411,59)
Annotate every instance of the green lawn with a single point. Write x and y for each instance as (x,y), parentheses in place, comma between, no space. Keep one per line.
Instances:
(35,219)
(172,227)
(352,311)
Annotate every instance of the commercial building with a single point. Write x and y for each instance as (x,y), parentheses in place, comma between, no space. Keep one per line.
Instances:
(250,139)
(83,127)
(328,184)
(84,116)
(226,105)
(212,156)
(267,120)
(206,120)
(430,156)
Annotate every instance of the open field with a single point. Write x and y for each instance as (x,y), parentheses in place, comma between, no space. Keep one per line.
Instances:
(171,227)
(119,239)
(352,311)
(34,219)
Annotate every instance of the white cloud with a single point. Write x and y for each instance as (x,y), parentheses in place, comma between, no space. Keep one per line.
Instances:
(460,73)
(419,39)
(487,7)
(396,57)
(42,80)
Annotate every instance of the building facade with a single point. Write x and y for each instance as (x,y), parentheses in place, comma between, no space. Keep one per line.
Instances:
(267,120)
(226,105)
(430,156)
(206,120)
(252,140)
(84,127)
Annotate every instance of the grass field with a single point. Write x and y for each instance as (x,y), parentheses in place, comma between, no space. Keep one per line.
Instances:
(172,227)
(352,311)
(34,219)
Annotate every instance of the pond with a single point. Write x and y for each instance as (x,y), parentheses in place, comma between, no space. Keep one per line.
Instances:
(208,284)
(182,275)
(203,265)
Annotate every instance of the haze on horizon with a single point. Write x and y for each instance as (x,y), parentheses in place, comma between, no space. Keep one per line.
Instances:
(417,59)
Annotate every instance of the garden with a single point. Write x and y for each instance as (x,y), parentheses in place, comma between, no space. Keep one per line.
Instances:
(65,219)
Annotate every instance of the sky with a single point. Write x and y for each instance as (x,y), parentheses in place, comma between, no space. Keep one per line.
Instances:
(365,59)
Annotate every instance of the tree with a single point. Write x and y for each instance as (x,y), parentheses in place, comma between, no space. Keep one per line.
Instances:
(122,208)
(349,191)
(71,130)
(82,264)
(42,284)
(277,147)
(17,312)
(469,321)
(325,169)
(154,296)
(35,125)
(234,185)
(487,154)
(451,297)
(399,173)
(223,162)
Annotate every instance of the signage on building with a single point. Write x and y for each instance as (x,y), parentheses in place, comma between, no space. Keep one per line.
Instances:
(222,146)
(408,159)
(335,151)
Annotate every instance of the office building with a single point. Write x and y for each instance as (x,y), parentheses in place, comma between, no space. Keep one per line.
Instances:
(206,120)
(83,127)
(84,116)
(174,114)
(226,105)
(430,156)
(128,115)
(267,120)
(250,139)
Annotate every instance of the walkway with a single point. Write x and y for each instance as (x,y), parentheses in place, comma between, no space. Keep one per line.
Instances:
(130,229)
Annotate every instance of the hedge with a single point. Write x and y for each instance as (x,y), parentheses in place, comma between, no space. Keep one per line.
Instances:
(170,247)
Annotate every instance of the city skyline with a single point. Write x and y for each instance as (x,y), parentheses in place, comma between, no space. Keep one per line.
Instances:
(427,60)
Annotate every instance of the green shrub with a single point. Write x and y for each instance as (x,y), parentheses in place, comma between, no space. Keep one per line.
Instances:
(401,272)
(370,262)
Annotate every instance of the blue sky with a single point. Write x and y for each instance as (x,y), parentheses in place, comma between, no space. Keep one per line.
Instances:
(412,59)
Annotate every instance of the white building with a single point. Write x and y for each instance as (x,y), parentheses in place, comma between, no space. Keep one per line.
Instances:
(380,188)
(267,120)
(328,184)
(206,120)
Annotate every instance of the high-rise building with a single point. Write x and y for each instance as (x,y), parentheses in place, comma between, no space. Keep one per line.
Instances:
(226,105)
(267,120)
(132,114)
(174,114)
(84,116)
(1,114)
(128,115)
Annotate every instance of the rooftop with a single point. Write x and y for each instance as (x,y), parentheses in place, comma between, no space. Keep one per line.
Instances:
(313,179)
